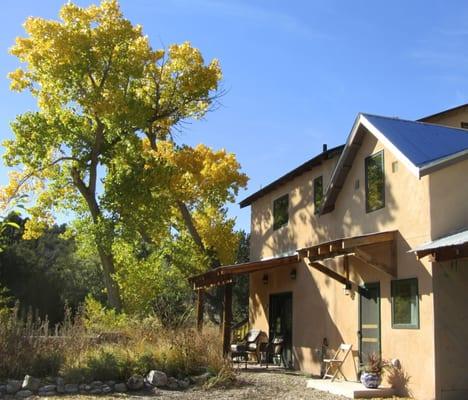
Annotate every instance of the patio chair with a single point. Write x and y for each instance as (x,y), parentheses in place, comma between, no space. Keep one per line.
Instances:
(333,365)
(249,345)
(271,350)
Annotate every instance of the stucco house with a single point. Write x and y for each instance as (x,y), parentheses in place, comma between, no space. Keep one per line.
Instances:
(367,244)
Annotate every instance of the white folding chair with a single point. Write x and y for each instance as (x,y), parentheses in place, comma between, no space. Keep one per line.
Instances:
(333,365)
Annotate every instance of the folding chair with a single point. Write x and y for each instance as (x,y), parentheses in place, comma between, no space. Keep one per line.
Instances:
(333,365)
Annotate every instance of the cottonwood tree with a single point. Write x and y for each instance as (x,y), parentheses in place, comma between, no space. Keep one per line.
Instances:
(102,143)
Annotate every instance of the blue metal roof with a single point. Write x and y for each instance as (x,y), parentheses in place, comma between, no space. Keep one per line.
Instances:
(421,142)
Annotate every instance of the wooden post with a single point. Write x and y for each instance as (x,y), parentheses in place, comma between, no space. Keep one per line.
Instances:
(227,318)
(200,306)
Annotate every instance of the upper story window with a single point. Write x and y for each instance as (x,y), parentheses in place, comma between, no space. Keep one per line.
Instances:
(280,211)
(318,194)
(375,182)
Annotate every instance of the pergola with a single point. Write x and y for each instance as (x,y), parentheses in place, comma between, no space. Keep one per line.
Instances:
(355,246)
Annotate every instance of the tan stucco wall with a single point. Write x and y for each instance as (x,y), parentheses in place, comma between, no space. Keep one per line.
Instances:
(451,328)
(320,308)
(450,118)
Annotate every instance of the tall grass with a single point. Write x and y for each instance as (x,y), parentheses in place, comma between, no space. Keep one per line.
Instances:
(84,349)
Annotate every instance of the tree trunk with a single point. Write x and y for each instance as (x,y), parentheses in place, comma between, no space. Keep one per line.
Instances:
(113,291)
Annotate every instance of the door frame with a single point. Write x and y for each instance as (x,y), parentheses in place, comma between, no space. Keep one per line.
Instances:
(360,290)
(291,293)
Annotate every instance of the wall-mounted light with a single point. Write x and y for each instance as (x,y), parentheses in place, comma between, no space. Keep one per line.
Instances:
(347,288)
(265,279)
(293,274)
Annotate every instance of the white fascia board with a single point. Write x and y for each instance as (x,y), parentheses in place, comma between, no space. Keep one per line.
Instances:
(387,143)
(428,168)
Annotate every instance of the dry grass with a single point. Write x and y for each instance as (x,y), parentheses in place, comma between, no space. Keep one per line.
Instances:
(85,349)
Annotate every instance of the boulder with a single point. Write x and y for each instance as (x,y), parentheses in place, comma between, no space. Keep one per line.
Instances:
(71,388)
(201,379)
(106,389)
(135,382)
(96,390)
(172,383)
(13,386)
(60,385)
(48,388)
(156,378)
(24,393)
(183,383)
(31,383)
(2,389)
(120,387)
(84,387)
(96,384)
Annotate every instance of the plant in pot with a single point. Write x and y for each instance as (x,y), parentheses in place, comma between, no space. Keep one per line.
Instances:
(372,371)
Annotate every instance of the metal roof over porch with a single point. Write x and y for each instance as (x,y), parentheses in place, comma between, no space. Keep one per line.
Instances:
(450,247)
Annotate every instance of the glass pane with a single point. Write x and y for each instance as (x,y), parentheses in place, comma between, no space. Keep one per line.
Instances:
(280,211)
(375,194)
(318,193)
(405,302)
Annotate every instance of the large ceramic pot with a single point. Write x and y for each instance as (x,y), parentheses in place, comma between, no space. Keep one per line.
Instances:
(371,380)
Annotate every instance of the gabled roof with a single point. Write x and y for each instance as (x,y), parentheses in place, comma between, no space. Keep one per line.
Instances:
(428,118)
(422,147)
(307,166)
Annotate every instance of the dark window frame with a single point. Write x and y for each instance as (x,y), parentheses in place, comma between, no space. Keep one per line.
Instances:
(277,225)
(393,288)
(366,162)
(318,202)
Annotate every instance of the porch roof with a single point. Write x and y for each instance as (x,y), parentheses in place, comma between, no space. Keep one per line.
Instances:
(446,248)
(222,275)
(354,245)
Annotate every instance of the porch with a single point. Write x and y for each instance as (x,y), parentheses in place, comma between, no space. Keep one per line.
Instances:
(351,390)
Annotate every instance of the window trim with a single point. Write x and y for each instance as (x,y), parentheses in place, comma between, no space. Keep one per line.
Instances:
(275,228)
(368,209)
(395,325)
(317,208)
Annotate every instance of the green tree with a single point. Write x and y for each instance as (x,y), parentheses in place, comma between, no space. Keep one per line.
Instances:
(102,141)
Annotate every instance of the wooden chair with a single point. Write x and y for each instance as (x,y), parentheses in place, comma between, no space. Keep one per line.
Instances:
(333,365)
(249,345)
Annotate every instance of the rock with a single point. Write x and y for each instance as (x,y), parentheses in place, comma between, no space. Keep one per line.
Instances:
(106,389)
(13,386)
(157,378)
(3,389)
(135,382)
(172,383)
(111,384)
(48,388)
(201,379)
(60,385)
(120,387)
(24,393)
(47,394)
(96,384)
(31,383)
(96,390)
(183,383)
(71,388)
(84,387)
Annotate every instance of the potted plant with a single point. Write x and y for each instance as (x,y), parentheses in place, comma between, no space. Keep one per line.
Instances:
(372,371)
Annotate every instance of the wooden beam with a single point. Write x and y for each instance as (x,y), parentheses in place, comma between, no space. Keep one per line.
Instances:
(227,319)
(367,259)
(450,253)
(368,239)
(329,272)
(200,307)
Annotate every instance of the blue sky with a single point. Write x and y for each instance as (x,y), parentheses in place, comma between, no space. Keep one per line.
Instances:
(296,72)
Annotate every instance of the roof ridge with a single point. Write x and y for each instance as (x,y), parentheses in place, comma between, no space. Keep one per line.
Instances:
(413,121)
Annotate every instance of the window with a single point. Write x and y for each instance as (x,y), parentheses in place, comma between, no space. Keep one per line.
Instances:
(405,304)
(280,211)
(318,193)
(375,182)
(464,125)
